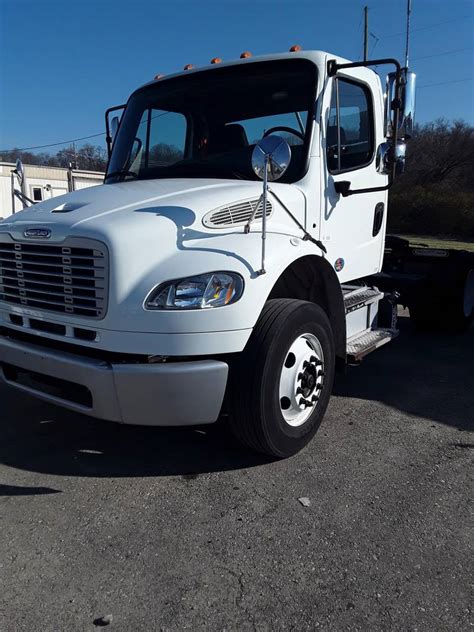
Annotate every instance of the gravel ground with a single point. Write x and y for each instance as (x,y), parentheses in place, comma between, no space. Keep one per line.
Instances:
(183,530)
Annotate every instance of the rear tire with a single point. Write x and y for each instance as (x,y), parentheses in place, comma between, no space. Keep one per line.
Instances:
(289,359)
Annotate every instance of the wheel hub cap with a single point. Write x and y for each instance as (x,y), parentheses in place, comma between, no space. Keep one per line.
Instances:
(301,379)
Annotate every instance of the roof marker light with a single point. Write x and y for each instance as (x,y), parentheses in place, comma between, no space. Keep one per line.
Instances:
(216,60)
(188,67)
(295,48)
(158,76)
(246,54)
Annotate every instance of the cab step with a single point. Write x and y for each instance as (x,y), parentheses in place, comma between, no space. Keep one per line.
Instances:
(367,341)
(357,297)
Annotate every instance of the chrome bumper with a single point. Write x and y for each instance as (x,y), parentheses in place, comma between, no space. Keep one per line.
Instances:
(168,394)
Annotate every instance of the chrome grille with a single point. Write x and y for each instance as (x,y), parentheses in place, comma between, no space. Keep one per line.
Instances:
(235,214)
(70,278)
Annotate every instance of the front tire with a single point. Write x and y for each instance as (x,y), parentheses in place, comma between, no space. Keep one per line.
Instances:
(281,383)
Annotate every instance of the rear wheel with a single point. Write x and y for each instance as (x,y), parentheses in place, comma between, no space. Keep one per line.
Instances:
(281,383)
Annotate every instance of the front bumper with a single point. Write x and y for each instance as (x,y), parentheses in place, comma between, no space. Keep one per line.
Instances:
(167,394)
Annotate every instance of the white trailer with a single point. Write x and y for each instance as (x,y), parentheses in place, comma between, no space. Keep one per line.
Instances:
(182,287)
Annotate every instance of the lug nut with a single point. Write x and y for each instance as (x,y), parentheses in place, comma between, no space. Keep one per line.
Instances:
(299,390)
(302,402)
(320,373)
(306,364)
(314,399)
(300,376)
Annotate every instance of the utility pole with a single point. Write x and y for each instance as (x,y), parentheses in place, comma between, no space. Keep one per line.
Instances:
(366,33)
(408,32)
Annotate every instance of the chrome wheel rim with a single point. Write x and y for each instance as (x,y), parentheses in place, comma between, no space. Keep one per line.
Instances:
(301,379)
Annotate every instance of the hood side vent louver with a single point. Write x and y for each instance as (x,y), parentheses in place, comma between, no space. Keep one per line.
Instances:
(237,214)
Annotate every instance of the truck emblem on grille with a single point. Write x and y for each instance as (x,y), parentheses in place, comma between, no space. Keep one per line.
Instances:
(42,233)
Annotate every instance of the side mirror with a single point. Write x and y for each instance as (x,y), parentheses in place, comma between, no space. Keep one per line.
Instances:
(19,171)
(271,157)
(407,118)
(400,157)
(111,127)
(407,105)
(114,125)
(386,155)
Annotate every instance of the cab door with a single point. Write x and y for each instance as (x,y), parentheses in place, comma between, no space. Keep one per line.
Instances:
(353,227)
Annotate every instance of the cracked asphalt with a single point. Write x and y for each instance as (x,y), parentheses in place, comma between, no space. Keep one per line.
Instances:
(184,530)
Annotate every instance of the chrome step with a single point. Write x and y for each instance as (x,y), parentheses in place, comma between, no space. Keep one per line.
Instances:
(367,341)
(357,297)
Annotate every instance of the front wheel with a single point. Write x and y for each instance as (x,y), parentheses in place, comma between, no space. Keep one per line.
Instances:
(281,383)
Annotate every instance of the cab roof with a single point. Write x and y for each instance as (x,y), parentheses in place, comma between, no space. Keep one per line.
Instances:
(318,57)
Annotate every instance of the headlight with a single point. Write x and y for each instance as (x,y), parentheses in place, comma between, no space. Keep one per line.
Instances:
(215,289)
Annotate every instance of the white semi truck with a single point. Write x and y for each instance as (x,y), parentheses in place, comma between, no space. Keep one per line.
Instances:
(223,264)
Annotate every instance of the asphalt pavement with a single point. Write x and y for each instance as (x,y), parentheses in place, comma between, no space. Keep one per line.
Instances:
(178,529)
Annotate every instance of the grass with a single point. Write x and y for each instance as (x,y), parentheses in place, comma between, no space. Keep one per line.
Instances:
(438,242)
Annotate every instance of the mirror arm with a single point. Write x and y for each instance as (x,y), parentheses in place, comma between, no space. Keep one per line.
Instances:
(22,197)
(264,212)
(307,236)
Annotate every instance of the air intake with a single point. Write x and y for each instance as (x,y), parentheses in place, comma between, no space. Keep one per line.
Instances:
(235,214)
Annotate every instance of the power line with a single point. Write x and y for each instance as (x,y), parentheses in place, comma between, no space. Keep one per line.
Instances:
(64,142)
(448,52)
(74,140)
(443,83)
(424,28)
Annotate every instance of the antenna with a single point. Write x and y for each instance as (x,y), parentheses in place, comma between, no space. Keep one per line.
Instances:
(408,33)
(366,33)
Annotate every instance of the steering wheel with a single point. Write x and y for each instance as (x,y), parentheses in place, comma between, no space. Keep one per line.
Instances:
(282,128)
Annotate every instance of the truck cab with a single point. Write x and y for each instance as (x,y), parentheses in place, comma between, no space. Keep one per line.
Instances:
(222,264)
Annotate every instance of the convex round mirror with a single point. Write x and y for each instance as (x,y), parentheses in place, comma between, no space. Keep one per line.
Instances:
(20,172)
(274,152)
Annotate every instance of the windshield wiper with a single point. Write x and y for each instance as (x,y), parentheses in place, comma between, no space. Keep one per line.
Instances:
(121,172)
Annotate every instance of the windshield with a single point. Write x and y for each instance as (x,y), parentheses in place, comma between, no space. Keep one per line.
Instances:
(206,124)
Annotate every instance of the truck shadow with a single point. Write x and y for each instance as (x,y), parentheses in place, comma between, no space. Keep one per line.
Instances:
(426,375)
(38,437)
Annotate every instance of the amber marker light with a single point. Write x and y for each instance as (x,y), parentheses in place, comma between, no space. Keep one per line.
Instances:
(295,48)
(246,54)
(188,67)
(158,76)
(216,60)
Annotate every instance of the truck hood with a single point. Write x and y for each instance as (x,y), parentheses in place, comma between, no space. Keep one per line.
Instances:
(104,209)
(153,232)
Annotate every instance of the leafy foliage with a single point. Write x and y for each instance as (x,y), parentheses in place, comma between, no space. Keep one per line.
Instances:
(88,157)
(436,194)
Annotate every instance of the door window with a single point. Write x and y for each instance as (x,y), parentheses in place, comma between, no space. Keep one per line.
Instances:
(350,132)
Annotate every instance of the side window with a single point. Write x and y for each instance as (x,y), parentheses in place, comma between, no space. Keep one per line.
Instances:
(167,138)
(350,136)
(160,140)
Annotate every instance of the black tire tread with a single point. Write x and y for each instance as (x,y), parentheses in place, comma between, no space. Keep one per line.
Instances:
(243,374)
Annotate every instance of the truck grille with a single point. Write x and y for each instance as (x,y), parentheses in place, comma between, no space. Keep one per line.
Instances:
(71,278)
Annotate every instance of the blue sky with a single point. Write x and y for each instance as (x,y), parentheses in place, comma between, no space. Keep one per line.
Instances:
(62,63)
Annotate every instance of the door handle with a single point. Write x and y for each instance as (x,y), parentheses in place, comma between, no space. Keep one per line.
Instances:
(378,218)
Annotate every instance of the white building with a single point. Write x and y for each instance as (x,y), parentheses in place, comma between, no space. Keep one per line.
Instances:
(42,183)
